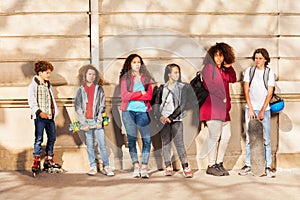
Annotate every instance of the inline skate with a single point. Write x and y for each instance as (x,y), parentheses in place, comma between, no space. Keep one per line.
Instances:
(50,166)
(36,168)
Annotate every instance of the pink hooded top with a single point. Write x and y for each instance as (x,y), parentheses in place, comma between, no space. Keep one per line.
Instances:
(126,95)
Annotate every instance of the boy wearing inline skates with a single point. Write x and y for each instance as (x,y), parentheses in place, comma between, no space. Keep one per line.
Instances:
(43,110)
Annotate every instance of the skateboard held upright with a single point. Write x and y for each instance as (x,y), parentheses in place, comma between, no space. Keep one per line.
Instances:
(257,155)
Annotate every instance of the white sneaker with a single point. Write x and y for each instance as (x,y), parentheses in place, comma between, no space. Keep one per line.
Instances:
(270,173)
(107,171)
(136,172)
(169,171)
(144,173)
(187,172)
(92,171)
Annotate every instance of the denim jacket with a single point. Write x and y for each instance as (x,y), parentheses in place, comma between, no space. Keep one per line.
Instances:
(81,100)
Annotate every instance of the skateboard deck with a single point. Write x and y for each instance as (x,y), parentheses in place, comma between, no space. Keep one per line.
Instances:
(257,155)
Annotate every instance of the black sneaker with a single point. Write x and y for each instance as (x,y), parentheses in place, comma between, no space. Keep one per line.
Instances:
(214,170)
(222,169)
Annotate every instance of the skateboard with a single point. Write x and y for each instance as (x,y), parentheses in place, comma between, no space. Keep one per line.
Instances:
(257,155)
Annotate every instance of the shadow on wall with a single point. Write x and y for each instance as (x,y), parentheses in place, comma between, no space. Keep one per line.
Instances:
(286,124)
(24,158)
(56,79)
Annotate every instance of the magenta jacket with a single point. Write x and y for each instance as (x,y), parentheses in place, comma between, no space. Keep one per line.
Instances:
(217,104)
(126,96)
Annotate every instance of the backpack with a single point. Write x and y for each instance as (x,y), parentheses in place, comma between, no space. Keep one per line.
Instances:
(276,102)
(198,89)
(266,75)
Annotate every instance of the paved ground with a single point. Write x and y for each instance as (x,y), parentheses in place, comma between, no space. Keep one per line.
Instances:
(20,185)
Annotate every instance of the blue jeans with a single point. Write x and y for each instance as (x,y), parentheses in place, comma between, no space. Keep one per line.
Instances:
(267,140)
(40,126)
(90,146)
(133,121)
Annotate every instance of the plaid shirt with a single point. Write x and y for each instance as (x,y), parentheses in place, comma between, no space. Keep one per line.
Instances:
(44,99)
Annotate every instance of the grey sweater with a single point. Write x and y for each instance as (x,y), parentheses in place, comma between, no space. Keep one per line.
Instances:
(81,100)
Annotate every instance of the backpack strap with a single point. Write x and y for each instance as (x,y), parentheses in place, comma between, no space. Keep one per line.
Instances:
(251,74)
(266,75)
(199,73)
(128,83)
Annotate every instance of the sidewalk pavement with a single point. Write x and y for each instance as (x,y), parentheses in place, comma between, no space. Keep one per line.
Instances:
(21,185)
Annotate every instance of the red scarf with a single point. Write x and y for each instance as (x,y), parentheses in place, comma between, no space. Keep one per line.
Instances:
(90,91)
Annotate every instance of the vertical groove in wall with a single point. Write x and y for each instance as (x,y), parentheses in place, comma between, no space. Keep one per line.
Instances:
(94,30)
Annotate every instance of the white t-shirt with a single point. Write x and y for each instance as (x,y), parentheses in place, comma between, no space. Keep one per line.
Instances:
(258,91)
(168,105)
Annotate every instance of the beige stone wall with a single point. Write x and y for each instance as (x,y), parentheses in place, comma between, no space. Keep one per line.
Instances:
(161,32)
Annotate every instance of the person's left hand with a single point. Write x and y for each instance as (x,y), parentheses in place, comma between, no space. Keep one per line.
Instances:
(98,126)
(260,116)
(227,65)
(168,120)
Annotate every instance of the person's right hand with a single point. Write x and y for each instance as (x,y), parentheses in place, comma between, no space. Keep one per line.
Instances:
(251,114)
(162,119)
(87,128)
(44,115)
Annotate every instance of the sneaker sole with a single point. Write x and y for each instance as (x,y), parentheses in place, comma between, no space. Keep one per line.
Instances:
(215,174)
(188,176)
(110,174)
(226,174)
(136,175)
(244,174)
(107,174)
(272,176)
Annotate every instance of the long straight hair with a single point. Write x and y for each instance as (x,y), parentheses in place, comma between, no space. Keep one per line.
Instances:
(126,69)
(168,70)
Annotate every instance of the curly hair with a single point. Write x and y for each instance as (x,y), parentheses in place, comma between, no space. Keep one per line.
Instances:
(82,75)
(127,68)
(225,50)
(42,65)
(264,53)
